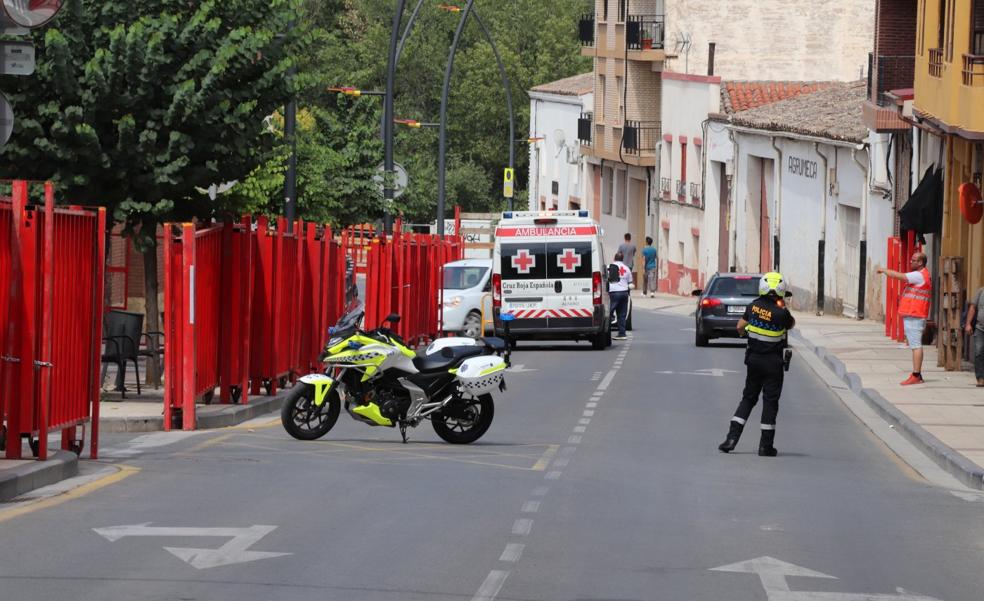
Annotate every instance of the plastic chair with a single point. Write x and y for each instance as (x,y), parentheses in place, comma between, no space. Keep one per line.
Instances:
(121,333)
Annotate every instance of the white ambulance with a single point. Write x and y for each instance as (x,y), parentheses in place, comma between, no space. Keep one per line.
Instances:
(548,273)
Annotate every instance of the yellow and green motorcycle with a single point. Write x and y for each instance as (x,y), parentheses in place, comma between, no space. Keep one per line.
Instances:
(380,381)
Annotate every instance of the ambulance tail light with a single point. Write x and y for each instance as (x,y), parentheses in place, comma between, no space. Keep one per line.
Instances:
(596,287)
(496,290)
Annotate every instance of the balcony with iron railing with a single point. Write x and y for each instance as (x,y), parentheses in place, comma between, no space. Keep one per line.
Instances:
(695,193)
(641,137)
(973,70)
(586,30)
(585,124)
(936,62)
(681,190)
(887,73)
(645,32)
(664,187)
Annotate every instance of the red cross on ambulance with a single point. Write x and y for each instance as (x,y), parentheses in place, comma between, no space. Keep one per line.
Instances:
(523,262)
(569,260)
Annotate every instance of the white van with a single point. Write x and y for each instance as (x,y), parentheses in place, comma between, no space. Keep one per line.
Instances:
(548,271)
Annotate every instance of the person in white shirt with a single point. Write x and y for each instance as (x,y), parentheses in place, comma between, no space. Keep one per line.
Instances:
(618,291)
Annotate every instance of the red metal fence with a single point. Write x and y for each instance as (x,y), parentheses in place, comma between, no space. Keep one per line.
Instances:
(404,276)
(53,264)
(244,309)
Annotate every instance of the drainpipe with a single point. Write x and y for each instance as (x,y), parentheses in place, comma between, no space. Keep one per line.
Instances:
(732,214)
(778,228)
(862,268)
(822,242)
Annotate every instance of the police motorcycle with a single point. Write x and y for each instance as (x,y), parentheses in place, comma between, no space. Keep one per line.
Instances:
(380,381)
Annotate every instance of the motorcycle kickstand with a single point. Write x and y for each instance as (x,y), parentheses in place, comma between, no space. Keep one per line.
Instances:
(403,431)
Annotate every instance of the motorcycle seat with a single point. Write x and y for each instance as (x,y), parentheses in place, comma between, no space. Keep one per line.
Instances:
(495,343)
(447,358)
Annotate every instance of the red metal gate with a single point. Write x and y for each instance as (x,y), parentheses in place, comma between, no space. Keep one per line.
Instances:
(51,333)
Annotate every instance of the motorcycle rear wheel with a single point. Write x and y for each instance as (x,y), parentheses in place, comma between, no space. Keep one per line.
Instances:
(464,420)
(302,419)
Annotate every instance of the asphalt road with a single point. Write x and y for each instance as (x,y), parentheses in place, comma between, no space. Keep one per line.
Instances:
(599,480)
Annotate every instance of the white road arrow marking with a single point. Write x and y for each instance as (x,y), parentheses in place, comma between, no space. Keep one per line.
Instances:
(233,552)
(714,372)
(520,369)
(773,573)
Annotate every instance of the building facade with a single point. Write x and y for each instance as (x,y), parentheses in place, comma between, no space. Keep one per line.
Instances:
(643,139)
(557,169)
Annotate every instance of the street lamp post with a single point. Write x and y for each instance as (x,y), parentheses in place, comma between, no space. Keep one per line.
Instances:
(388,116)
(441,159)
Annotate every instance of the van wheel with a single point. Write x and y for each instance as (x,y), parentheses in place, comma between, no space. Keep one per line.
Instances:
(600,341)
(472,327)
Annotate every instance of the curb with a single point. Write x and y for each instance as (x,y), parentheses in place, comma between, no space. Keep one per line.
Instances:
(965,470)
(16,481)
(209,418)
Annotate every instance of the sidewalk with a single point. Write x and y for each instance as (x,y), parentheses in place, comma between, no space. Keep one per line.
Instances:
(142,413)
(944,417)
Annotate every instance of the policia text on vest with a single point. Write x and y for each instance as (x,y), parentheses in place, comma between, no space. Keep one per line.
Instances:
(766,323)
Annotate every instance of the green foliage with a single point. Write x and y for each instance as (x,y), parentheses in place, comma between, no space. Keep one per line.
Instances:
(537,40)
(135,104)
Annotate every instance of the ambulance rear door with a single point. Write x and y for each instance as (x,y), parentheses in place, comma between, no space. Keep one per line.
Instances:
(569,300)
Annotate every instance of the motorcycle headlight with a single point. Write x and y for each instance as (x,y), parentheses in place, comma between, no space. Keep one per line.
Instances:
(454,301)
(334,341)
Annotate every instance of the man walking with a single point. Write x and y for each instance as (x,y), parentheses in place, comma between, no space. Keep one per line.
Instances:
(649,281)
(974,311)
(766,322)
(914,309)
(628,251)
(619,278)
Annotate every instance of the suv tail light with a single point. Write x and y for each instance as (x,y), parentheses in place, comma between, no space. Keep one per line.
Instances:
(496,289)
(710,303)
(596,287)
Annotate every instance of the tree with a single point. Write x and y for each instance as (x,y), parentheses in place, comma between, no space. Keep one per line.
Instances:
(135,104)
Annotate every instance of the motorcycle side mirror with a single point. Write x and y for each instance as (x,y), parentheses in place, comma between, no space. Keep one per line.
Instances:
(393,318)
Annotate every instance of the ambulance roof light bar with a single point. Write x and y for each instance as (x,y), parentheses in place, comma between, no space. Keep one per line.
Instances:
(537,215)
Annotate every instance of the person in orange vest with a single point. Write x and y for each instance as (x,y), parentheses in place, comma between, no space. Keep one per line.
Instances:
(914,307)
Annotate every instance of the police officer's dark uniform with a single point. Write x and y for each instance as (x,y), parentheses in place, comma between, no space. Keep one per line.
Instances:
(766,322)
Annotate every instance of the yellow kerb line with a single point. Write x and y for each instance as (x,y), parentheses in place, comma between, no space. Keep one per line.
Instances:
(124,471)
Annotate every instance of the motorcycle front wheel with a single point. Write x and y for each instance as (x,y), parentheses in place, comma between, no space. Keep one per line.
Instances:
(464,420)
(303,419)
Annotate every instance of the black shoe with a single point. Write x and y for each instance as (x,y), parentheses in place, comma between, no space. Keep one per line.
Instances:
(766,448)
(734,433)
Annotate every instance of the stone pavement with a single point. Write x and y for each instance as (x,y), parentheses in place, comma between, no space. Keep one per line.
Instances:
(944,417)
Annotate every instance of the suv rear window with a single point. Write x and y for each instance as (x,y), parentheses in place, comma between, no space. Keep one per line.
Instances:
(731,286)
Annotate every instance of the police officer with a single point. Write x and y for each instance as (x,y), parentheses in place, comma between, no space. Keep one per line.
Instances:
(766,322)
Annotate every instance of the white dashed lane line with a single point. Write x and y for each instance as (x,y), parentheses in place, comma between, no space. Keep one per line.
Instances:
(523,526)
(512,553)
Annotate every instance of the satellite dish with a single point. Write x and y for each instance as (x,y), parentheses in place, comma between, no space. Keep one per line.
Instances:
(971,206)
(31,13)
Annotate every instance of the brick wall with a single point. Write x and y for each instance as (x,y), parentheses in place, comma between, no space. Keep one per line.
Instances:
(895,27)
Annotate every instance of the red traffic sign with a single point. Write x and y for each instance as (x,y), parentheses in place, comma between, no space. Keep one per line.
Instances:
(31,13)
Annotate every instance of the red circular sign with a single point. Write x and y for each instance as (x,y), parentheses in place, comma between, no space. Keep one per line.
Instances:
(31,13)
(970,203)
